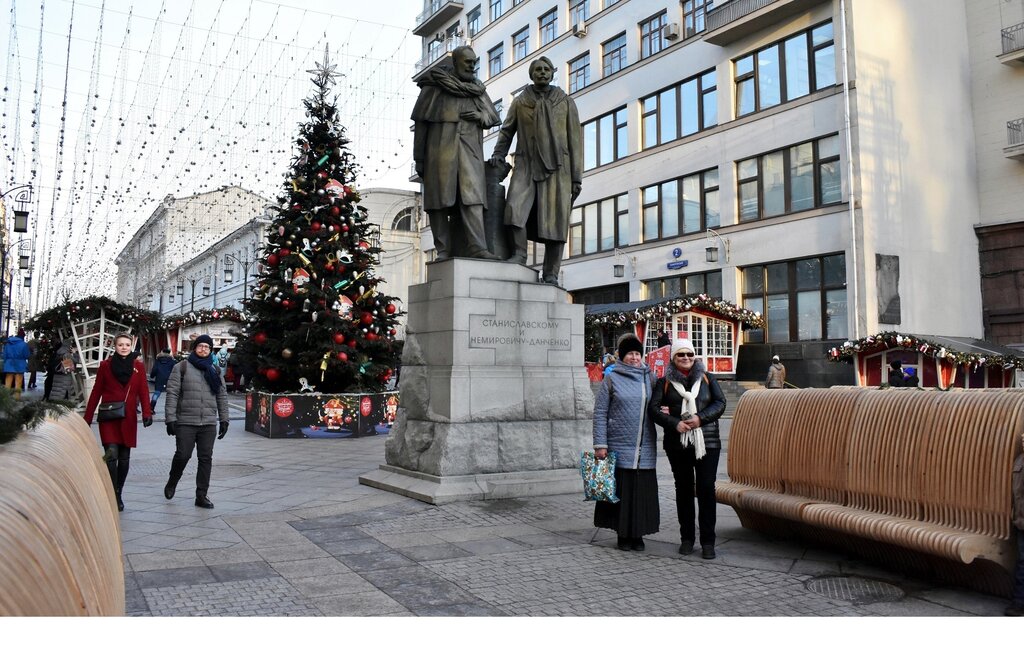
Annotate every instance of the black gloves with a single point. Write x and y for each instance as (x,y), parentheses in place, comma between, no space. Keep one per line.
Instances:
(170,428)
(223,429)
(147,421)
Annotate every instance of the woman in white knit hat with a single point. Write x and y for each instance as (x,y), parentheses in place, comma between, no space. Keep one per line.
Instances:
(687,403)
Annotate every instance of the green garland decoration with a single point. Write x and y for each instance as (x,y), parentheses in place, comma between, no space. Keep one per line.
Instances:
(748,319)
(139,319)
(893,340)
(203,316)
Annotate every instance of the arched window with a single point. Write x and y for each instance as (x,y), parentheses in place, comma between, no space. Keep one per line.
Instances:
(403,220)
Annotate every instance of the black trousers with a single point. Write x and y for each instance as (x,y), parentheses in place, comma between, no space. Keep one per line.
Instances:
(695,475)
(200,437)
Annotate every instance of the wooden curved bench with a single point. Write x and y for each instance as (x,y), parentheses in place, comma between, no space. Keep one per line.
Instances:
(916,479)
(60,539)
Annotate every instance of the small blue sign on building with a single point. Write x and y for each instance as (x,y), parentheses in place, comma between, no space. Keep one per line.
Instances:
(676,265)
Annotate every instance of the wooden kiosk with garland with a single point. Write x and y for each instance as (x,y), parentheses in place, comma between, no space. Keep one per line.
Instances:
(712,325)
(941,362)
(177,332)
(91,324)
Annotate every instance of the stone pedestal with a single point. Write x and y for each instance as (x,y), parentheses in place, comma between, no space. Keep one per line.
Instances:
(495,399)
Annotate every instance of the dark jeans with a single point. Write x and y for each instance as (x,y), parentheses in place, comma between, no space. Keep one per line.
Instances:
(688,472)
(1018,580)
(200,437)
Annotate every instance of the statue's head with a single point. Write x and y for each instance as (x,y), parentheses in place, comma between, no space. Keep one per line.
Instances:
(542,70)
(465,61)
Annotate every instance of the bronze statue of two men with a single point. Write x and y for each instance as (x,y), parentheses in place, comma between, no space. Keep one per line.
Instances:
(451,115)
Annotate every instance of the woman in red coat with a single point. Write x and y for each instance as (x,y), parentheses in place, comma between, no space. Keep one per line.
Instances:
(120,378)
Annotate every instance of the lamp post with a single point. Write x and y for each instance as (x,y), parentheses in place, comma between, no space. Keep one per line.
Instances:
(23,265)
(20,215)
(181,292)
(246,263)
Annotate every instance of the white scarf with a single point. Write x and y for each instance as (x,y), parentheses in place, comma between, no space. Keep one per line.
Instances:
(694,436)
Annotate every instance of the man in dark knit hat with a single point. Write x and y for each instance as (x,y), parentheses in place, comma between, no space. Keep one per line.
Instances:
(196,404)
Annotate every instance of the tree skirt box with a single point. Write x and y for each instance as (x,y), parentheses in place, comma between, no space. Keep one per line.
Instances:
(320,416)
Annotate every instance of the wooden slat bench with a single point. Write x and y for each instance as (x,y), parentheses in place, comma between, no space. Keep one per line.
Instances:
(60,539)
(918,480)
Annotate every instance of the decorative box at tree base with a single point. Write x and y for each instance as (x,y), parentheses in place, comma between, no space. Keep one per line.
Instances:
(320,416)
(496,402)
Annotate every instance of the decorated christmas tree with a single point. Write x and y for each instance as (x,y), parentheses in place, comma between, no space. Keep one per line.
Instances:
(317,318)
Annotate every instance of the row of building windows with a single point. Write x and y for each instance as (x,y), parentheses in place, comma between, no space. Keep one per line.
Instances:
(691,105)
(793,179)
(802,299)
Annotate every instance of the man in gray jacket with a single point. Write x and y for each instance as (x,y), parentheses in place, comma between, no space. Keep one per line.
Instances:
(196,401)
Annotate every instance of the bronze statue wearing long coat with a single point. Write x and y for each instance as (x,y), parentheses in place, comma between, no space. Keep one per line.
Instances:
(548,161)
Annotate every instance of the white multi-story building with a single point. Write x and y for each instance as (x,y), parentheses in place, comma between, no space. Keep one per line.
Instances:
(177,231)
(824,162)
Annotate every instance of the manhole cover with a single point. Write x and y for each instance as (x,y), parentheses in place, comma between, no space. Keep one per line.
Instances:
(153,469)
(855,589)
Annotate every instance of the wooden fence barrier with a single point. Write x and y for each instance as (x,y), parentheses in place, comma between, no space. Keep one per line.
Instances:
(60,539)
(916,479)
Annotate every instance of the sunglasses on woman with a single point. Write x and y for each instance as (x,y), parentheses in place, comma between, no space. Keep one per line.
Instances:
(684,354)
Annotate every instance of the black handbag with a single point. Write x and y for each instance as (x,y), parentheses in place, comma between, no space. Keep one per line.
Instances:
(113,411)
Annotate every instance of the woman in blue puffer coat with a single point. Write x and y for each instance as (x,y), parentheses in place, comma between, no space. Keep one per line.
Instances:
(622,425)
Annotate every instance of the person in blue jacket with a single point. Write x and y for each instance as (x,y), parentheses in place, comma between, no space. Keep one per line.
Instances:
(160,372)
(622,425)
(16,354)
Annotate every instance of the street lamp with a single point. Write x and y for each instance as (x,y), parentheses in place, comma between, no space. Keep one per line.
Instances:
(229,277)
(21,212)
(181,291)
(4,253)
(711,251)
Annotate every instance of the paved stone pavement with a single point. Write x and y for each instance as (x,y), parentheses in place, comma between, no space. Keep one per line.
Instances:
(295,534)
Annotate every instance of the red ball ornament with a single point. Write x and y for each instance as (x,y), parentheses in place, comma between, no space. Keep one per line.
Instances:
(284,252)
(259,338)
(392,332)
(366,318)
(315,226)
(335,211)
(343,356)
(390,309)
(352,343)
(272,259)
(329,267)
(348,420)
(339,338)
(287,303)
(273,374)
(371,336)
(344,228)
(322,175)
(296,207)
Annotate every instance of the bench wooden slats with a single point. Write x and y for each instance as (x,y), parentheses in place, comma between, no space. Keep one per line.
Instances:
(921,470)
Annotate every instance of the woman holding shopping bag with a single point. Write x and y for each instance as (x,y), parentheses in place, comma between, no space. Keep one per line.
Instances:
(622,425)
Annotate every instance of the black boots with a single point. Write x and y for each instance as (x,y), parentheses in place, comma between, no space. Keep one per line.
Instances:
(202,501)
(172,483)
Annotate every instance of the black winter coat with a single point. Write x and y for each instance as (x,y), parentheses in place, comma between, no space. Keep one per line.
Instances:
(710,406)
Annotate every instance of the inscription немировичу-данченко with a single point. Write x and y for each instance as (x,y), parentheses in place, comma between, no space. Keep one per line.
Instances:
(488,331)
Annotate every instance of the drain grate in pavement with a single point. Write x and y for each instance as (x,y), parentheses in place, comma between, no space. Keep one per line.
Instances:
(155,469)
(855,589)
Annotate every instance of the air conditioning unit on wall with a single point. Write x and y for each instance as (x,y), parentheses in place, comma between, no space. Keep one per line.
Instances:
(579,31)
(670,31)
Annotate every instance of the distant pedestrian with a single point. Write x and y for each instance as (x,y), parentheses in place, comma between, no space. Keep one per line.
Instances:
(1016,607)
(33,360)
(910,377)
(896,378)
(120,378)
(160,372)
(60,381)
(776,375)
(687,403)
(16,355)
(196,405)
(663,339)
(223,357)
(622,425)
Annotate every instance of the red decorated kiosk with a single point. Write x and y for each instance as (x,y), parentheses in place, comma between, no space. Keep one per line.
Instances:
(939,361)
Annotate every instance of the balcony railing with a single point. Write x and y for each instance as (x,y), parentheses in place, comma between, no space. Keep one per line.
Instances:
(734,10)
(435,14)
(1015,132)
(1013,38)
(433,55)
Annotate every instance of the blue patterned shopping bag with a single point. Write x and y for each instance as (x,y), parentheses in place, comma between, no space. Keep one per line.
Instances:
(598,477)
